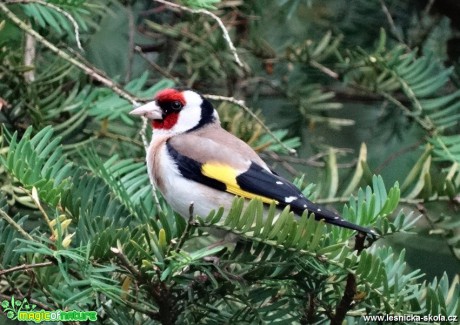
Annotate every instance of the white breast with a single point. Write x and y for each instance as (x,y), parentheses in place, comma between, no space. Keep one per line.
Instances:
(180,192)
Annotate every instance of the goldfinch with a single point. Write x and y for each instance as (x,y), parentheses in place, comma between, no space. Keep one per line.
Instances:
(191,158)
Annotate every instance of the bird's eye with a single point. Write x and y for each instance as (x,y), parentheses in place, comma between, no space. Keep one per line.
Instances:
(176,105)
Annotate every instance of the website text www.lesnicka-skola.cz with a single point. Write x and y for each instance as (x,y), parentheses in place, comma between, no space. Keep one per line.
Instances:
(411,318)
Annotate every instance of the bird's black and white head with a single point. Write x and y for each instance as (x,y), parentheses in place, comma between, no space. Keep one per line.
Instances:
(177,111)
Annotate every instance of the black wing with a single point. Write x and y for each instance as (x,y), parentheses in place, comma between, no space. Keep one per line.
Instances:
(260,181)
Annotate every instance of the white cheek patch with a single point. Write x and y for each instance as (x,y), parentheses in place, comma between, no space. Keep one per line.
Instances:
(188,118)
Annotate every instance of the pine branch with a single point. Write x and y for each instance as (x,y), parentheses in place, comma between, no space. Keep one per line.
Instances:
(213,16)
(89,71)
(61,11)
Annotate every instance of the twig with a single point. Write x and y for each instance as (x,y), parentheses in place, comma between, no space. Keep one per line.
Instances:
(284,163)
(58,9)
(311,161)
(26,267)
(138,307)
(143,134)
(117,137)
(241,104)
(401,200)
(15,225)
(187,228)
(346,302)
(421,208)
(360,239)
(163,72)
(163,297)
(31,284)
(396,155)
(29,57)
(213,16)
(124,260)
(174,59)
(89,71)
(428,7)
(426,124)
(391,21)
(159,291)
(131,31)
(324,69)
(310,312)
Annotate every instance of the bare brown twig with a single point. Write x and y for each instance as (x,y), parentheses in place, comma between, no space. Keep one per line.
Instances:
(346,303)
(125,261)
(26,267)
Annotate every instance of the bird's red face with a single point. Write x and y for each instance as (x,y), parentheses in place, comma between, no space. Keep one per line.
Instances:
(171,101)
(177,111)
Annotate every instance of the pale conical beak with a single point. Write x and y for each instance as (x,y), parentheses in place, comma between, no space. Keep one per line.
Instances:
(150,110)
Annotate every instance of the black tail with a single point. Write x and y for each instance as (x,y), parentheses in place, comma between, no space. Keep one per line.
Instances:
(333,218)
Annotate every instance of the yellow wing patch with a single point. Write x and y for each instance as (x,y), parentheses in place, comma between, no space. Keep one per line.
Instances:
(227,175)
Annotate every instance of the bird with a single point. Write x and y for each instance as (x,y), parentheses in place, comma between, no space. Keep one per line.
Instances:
(192,159)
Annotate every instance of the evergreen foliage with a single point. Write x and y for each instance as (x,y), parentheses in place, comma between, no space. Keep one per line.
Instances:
(81,228)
